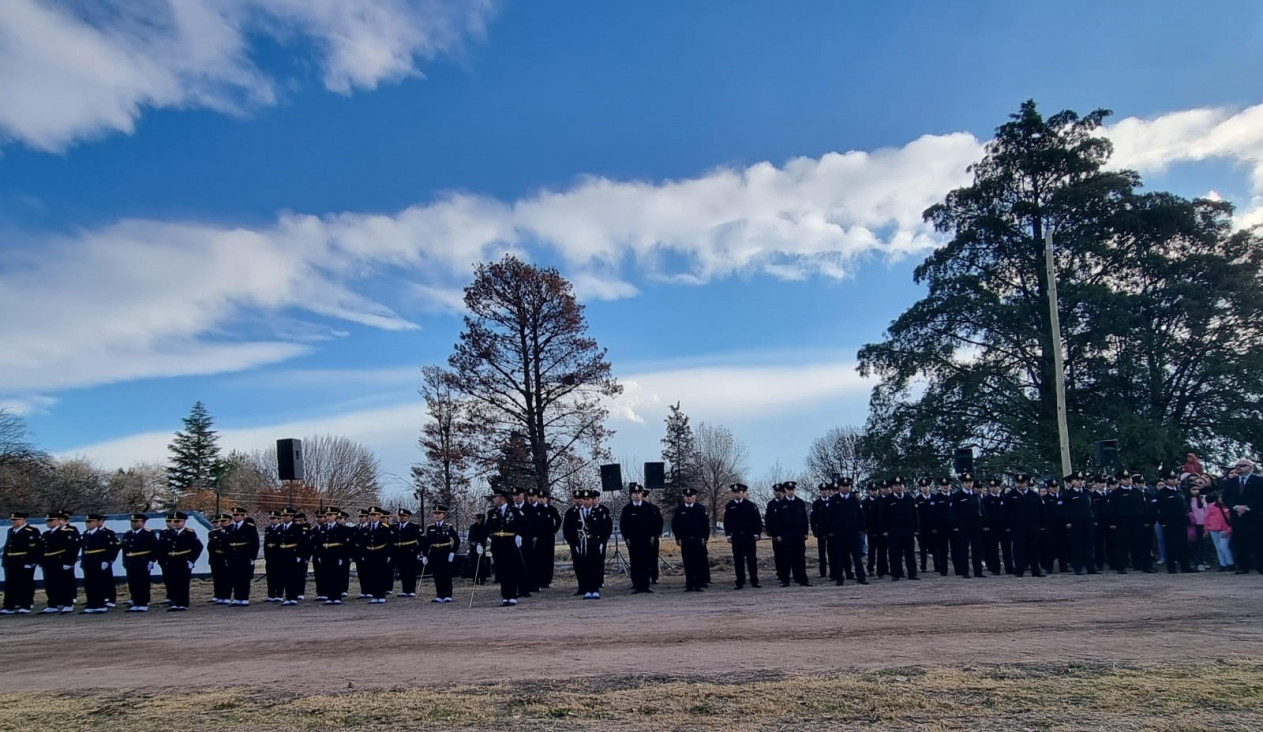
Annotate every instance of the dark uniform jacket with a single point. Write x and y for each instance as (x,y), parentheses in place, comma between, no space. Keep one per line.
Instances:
(741,518)
(690,522)
(641,522)
(182,546)
(925,512)
(407,539)
(845,514)
(375,543)
(591,532)
(1172,509)
(140,547)
(792,520)
(900,513)
(1025,511)
(819,508)
(99,546)
(1076,506)
(23,546)
(1126,504)
(993,518)
(440,539)
(965,510)
(243,541)
(61,546)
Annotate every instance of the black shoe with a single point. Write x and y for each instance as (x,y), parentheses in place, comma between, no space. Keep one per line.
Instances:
(838,582)
(1093,571)
(1041,574)
(783,584)
(755,585)
(1121,571)
(1150,570)
(894,579)
(804,584)
(913,577)
(863,581)
(1079,572)
(739,587)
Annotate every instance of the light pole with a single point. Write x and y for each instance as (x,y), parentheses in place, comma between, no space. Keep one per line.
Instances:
(1059,373)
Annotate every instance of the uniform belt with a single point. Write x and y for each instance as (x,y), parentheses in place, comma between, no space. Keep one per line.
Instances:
(289,546)
(375,548)
(180,553)
(53,554)
(330,546)
(15,554)
(407,543)
(503,534)
(446,543)
(93,551)
(137,554)
(243,543)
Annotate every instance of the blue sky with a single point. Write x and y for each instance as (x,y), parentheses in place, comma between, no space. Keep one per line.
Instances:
(271,206)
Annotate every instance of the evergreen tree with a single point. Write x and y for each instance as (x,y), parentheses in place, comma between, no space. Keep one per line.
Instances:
(195,461)
(679,452)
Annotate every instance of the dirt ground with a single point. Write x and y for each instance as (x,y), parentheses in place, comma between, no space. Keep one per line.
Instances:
(721,633)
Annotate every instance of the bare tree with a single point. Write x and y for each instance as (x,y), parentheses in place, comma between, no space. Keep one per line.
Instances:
(338,471)
(526,361)
(24,468)
(142,487)
(76,485)
(447,441)
(838,453)
(721,461)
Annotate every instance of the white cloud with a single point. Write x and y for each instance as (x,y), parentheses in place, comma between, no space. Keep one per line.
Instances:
(79,70)
(146,298)
(27,404)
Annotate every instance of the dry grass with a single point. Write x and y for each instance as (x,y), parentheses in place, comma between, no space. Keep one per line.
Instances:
(1227,695)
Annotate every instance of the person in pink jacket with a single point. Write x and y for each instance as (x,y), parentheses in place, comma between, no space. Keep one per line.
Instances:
(1198,508)
(1220,531)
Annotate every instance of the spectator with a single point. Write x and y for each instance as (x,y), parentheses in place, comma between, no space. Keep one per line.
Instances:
(1198,509)
(1220,532)
(1192,464)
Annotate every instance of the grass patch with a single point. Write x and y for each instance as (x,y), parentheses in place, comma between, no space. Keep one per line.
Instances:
(1225,695)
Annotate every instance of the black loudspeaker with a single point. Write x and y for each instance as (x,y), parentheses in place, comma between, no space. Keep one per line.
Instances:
(963,460)
(612,478)
(1107,453)
(289,459)
(655,476)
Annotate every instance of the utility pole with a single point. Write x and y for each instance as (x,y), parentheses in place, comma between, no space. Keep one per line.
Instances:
(1059,371)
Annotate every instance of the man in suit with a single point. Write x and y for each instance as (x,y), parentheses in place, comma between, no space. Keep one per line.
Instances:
(743,526)
(1243,494)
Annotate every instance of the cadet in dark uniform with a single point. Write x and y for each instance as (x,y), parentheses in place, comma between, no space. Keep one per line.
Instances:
(640,523)
(1172,512)
(846,524)
(100,549)
(479,561)
(527,528)
(546,541)
(326,553)
(874,522)
(586,527)
(179,550)
(140,554)
(1078,516)
(769,525)
(899,511)
(375,552)
(357,552)
(928,534)
(1100,520)
(793,524)
(966,519)
(272,569)
(1024,521)
(691,528)
(503,521)
(941,525)
(407,552)
(439,545)
(743,526)
(217,556)
(243,551)
(336,547)
(61,550)
(23,549)
(1056,538)
(1129,537)
(290,540)
(304,556)
(995,543)
(818,512)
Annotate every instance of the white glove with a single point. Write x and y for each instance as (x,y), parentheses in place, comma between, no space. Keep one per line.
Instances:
(151,565)
(298,560)
(517,540)
(251,564)
(601,548)
(479,550)
(190,565)
(425,561)
(451,556)
(105,566)
(29,566)
(339,562)
(67,567)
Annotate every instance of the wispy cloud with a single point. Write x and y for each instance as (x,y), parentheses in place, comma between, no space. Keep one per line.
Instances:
(150,298)
(78,70)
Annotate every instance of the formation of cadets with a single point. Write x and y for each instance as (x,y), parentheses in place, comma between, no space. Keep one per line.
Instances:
(1085,526)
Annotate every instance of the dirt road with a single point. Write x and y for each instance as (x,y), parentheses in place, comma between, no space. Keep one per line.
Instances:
(311,648)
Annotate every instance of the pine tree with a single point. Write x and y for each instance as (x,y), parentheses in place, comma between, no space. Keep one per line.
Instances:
(679,452)
(195,462)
